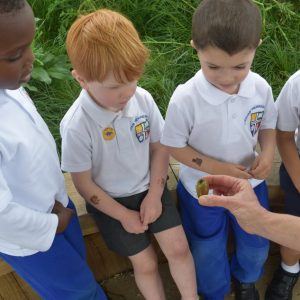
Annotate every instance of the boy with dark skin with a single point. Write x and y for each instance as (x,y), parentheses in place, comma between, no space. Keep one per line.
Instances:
(40,235)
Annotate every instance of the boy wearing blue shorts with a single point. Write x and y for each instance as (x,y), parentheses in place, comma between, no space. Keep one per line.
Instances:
(213,124)
(288,106)
(40,236)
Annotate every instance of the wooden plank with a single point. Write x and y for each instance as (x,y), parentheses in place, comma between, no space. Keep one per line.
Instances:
(103,262)
(27,290)
(4,268)
(10,288)
(79,202)
(88,225)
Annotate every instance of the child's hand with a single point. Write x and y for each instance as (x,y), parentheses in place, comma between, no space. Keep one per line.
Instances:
(261,167)
(151,209)
(234,170)
(132,223)
(64,216)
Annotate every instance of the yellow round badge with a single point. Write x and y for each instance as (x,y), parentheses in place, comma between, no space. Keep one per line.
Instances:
(108,133)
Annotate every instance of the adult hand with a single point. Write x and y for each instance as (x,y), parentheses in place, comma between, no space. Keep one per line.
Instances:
(237,196)
(64,216)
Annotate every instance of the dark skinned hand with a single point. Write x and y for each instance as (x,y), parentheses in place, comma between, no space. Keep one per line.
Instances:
(64,216)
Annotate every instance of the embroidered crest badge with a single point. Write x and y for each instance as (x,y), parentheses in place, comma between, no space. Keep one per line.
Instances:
(142,130)
(255,121)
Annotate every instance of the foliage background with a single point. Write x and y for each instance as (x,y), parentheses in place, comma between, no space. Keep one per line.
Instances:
(164,26)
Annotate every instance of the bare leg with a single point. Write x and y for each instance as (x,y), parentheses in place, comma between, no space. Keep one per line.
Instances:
(146,274)
(174,244)
(289,257)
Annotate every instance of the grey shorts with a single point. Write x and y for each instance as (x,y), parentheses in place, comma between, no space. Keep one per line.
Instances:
(124,243)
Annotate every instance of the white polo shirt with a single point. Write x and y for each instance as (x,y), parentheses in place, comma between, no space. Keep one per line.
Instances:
(218,124)
(288,106)
(30,177)
(114,146)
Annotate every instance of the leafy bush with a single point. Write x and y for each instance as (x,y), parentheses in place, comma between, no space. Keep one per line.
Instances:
(165,27)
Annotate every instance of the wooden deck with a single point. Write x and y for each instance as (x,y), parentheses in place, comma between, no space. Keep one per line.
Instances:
(12,287)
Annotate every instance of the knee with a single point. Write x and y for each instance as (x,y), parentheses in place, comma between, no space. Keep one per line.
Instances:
(256,257)
(178,251)
(146,267)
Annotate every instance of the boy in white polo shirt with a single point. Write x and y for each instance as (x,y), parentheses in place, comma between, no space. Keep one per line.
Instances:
(212,126)
(110,144)
(288,106)
(39,236)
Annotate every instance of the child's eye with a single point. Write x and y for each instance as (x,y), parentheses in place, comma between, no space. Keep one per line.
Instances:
(213,67)
(240,67)
(14,58)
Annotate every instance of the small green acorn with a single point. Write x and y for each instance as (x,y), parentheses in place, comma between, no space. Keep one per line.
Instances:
(202,187)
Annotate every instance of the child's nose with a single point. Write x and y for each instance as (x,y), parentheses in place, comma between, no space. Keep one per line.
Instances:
(29,57)
(128,92)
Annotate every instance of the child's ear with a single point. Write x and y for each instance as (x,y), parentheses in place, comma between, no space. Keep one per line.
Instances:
(193,44)
(79,79)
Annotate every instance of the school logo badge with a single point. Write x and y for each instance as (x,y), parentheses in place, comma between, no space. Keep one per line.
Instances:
(254,117)
(142,130)
(108,133)
(255,121)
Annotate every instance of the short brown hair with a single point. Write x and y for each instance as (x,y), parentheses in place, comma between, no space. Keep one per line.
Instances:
(105,41)
(231,25)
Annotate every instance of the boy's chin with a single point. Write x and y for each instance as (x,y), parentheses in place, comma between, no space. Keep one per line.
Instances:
(25,79)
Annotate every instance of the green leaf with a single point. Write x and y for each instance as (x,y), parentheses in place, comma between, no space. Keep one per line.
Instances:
(41,74)
(30,87)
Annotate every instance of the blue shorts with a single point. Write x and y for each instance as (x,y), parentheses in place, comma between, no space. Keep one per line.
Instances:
(61,273)
(207,231)
(291,195)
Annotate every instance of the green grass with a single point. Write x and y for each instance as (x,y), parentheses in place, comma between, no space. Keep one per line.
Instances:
(165,27)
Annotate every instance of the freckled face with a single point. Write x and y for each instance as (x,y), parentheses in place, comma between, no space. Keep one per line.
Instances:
(17,31)
(110,93)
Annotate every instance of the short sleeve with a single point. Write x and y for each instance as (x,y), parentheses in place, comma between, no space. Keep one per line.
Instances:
(287,105)
(270,114)
(177,127)
(76,151)
(156,121)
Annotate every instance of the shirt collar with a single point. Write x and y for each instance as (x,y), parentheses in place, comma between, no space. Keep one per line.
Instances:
(5,95)
(215,96)
(102,116)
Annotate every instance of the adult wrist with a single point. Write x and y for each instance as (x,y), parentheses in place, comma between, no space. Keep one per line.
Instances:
(262,222)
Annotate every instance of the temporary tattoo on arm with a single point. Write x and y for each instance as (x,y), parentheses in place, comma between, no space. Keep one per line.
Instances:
(161,182)
(95,200)
(197,161)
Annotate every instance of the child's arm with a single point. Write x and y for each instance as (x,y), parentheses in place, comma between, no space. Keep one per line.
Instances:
(190,157)
(64,215)
(27,227)
(151,207)
(94,195)
(289,154)
(262,165)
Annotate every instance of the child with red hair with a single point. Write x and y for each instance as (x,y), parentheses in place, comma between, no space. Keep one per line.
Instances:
(110,144)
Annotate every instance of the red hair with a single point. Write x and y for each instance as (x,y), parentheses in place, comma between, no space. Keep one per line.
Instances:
(106,41)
